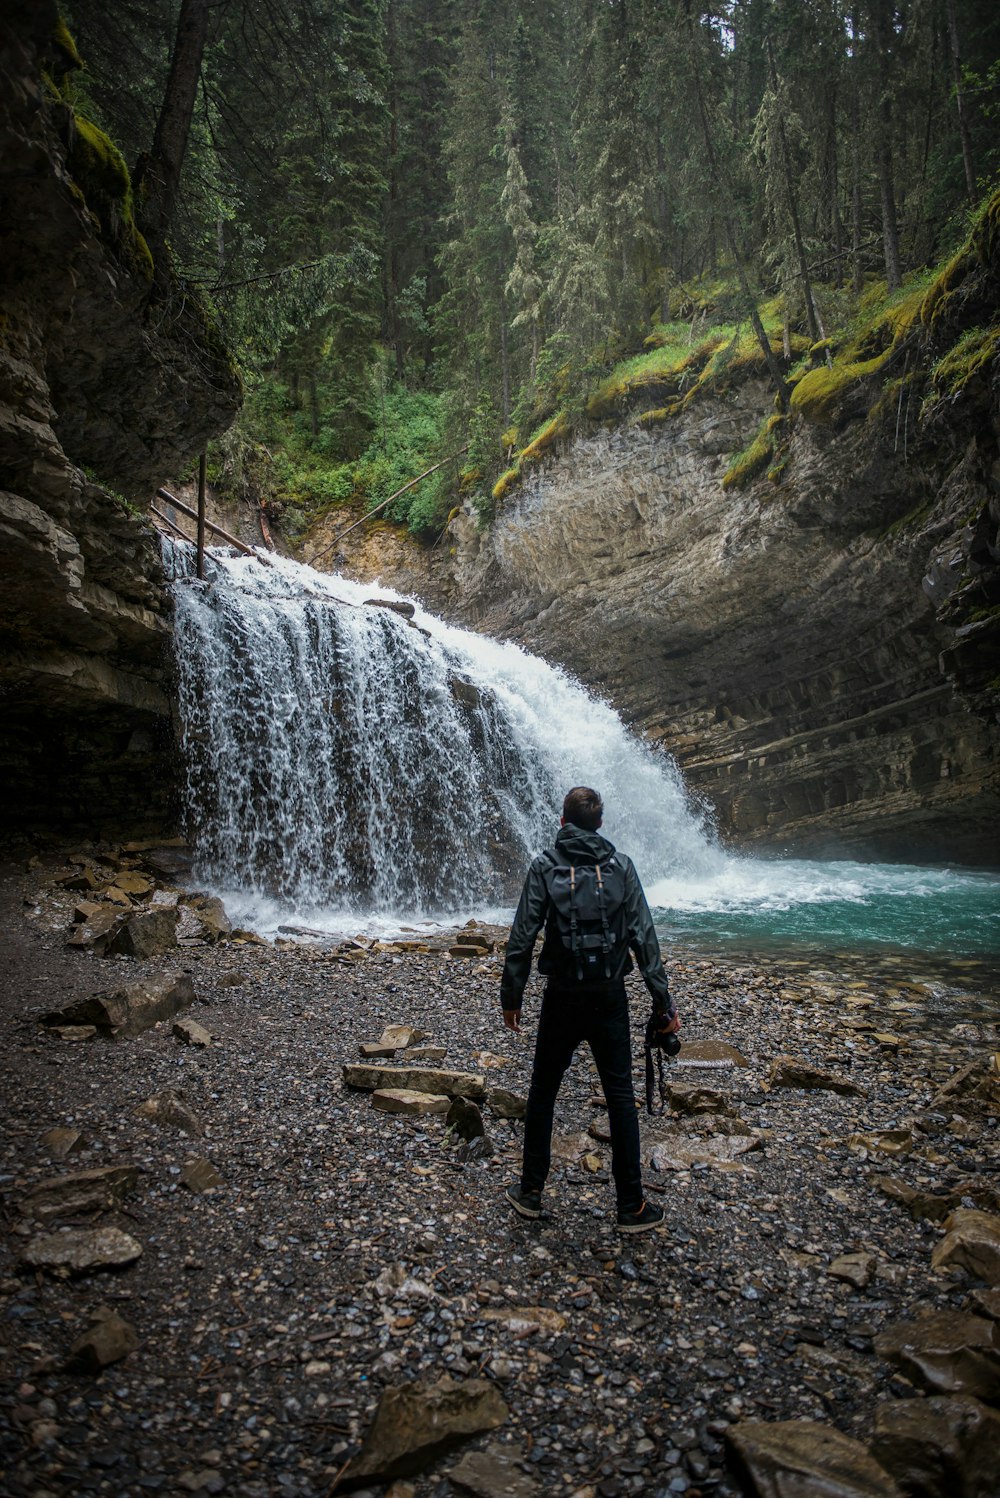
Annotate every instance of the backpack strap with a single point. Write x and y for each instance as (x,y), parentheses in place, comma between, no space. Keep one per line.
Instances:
(574,934)
(605,933)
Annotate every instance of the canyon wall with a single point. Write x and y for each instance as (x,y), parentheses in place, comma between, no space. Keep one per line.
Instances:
(107,385)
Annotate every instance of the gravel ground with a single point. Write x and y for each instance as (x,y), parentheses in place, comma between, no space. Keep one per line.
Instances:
(267,1324)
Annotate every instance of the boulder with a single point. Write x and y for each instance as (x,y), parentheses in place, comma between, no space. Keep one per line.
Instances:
(401,1037)
(100,1190)
(972,1242)
(939,1446)
(803,1459)
(417,1423)
(128,1011)
(786,1071)
(506,1104)
(107,1340)
(946,1352)
(211,916)
(85,910)
(407,1100)
(494,1472)
(854,1269)
(416,1079)
(146,933)
(189,1032)
(465,1120)
(169,1110)
(200,1175)
(986,1303)
(80,1251)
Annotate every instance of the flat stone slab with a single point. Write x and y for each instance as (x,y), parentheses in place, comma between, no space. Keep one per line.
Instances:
(715,1149)
(432,1054)
(81,1252)
(946,1352)
(798,1458)
(417,1423)
(62,1142)
(972,1243)
(786,1071)
(935,1206)
(129,1010)
(366,1078)
(854,1269)
(409,1101)
(374,1050)
(99,1190)
(713,1050)
(690,1098)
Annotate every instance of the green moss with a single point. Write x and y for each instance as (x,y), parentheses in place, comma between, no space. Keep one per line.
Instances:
(747,464)
(818,394)
(975,350)
(103,177)
(505,483)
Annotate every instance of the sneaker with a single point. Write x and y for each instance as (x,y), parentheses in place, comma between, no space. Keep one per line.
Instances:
(643,1220)
(527,1203)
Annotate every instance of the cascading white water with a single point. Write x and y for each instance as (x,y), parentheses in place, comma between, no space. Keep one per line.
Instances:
(344,758)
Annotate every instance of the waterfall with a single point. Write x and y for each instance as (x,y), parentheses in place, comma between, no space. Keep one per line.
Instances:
(347,752)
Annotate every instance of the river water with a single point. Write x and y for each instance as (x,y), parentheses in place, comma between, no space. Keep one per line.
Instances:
(348,766)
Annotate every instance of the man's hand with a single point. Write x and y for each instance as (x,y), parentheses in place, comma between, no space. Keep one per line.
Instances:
(512,1019)
(664,1026)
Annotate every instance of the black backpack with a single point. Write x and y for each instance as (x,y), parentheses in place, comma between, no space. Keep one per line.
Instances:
(587,910)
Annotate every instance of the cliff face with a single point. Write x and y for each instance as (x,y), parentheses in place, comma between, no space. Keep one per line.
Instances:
(99,375)
(819,654)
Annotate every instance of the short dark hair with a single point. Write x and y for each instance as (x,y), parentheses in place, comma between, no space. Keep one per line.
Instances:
(583,807)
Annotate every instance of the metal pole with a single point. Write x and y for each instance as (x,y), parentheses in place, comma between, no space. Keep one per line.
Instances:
(202,467)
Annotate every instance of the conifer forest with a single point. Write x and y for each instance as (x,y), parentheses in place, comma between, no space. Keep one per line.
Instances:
(427,226)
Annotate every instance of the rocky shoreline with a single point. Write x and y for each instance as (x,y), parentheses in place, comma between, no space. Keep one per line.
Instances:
(304,1257)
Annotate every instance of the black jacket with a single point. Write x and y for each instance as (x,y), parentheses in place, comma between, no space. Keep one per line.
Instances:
(575,844)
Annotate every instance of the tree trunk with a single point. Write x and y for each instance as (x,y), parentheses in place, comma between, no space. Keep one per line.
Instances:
(313,404)
(857,273)
(963,121)
(812,315)
(158,175)
(883,149)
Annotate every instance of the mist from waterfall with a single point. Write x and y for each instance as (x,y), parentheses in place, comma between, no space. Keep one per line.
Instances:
(341,757)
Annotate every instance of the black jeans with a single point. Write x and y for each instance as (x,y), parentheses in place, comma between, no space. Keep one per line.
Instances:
(600,1017)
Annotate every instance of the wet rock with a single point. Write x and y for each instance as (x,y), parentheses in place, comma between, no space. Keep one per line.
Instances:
(480,1148)
(84,878)
(63,1142)
(465,1120)
(946,1353)
(972,1091)
(200,1175)
(100,1190)
(211,916)
(132,883)
(466,949)
(972,1242)
(786,1071)
(494,1472)
(854,1269)
(85,910)
(81,1252)
(407,1100)
(506,1104)
(189,1032)
(986,1303)
(107,1340)
(130,1010)
(416,1078)
(147,933)
(169,1110)
(802,1457)
(939,1446)
(417,1423)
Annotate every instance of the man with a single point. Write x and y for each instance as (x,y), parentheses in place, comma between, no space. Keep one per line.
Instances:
(588,897)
